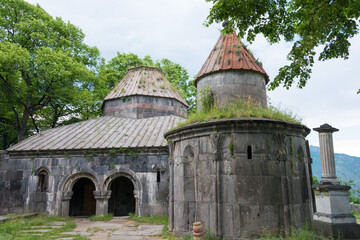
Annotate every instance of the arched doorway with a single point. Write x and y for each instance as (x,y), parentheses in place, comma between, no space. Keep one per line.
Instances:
(83,202)
(122,200)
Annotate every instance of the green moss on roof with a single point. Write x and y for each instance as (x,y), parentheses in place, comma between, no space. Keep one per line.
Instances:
(240,110)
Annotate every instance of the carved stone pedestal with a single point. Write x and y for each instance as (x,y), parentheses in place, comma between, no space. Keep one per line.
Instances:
(333,216)
(332,204)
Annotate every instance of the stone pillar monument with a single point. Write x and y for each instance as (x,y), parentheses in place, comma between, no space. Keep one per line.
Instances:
(333,214)
(328,172)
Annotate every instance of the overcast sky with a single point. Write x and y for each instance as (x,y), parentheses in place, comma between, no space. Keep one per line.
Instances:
(174,29)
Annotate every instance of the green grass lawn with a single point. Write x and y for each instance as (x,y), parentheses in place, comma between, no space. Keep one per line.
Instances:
(16,229)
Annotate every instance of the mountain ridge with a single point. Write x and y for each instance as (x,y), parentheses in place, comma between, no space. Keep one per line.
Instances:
(347,167)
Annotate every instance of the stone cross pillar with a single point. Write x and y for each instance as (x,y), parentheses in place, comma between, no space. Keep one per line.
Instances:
(328,172)
(333,213)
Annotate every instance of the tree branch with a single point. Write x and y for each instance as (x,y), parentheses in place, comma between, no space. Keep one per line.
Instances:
(34,122)
(7,121)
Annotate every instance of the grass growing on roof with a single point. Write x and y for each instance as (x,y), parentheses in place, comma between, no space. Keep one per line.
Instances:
(240,109)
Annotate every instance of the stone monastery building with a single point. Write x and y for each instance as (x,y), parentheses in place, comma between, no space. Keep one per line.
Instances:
(117,163)
(234,175)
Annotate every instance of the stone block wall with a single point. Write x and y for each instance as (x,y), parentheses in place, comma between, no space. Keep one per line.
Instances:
(12,175)
(25,191)
(241,178)
(143,107)
(229,86)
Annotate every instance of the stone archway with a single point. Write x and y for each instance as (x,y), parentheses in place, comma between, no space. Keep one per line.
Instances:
(126,187)
(83,202)
(79,190)
(122,200)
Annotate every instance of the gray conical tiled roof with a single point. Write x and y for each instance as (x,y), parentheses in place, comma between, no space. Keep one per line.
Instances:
(145,81)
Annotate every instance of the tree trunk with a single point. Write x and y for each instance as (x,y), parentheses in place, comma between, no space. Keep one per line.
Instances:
(4,137)
(21,129)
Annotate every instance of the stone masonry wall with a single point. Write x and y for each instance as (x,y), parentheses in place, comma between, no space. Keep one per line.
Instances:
(229,86)
(241,178)
(143,107)
(19,178)
(11,185)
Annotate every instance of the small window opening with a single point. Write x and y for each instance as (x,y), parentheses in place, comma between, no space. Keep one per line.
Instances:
(249,152)
(43,181)
(158,176)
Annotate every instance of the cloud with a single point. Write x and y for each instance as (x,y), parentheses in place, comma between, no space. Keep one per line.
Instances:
(174,30)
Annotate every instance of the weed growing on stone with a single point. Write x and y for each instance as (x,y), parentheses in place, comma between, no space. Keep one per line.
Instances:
(112,153)
(112,166)
(231,148)
(258,62)
(207,99)
(88,158)
(210,236)
(298,234)
(67,155)
(238,51)
(106,217)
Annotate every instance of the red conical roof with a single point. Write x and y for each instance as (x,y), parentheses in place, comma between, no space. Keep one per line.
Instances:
(229,53)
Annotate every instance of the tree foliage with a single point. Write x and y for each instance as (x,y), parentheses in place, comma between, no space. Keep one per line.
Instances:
(50,77)
(117,68)
(308,24)
(354,192)
(45,67)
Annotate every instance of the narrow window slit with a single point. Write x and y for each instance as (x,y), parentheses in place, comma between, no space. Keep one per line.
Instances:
(158,176)
(249,152)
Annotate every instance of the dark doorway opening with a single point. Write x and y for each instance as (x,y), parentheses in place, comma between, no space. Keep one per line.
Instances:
(122,200)
(83,202)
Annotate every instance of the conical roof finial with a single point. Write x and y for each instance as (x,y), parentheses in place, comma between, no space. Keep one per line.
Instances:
(225,23)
